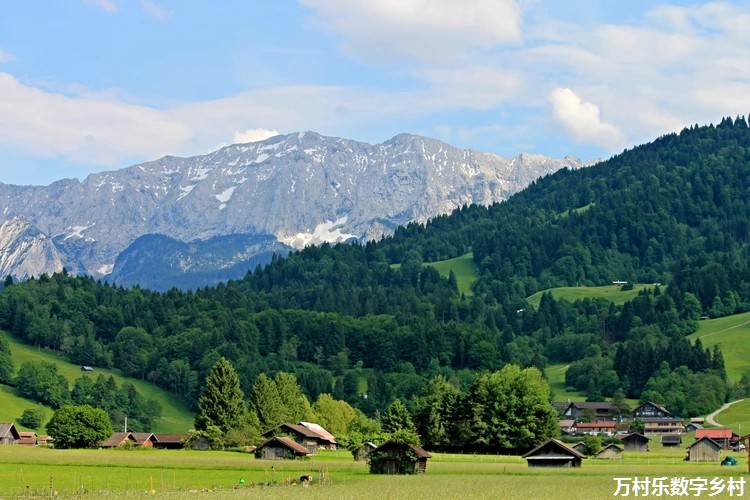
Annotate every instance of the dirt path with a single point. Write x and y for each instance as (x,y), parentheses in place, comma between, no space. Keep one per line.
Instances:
(710,418)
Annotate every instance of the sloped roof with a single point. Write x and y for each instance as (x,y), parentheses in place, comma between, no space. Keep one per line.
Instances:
(117,438)
(171,438)
(705,439)
(390,445)
(723,433)
(595,425)
(6,429)
(657,405)
(634,435)
(286,442)
(610,447)
(320,431)
(565,451)
(582,405)
(296,428)
(142,437)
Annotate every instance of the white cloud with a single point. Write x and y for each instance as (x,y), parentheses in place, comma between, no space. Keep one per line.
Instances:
(155,10)
(5,56)
(106,5)
(581,120)
(429,30)
(253,135)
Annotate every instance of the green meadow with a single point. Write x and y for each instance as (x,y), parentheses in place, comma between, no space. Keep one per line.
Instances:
(463,267)
(732,334)
(737,417)
(613,293)
(555,374)
(176,417)
(28,473)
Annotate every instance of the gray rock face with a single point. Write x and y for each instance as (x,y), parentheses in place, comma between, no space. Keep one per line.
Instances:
(25,251)
(301,188)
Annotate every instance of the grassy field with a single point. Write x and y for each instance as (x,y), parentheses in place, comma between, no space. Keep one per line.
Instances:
(463,267)
(732,334)
(556,377)
(573,293)
(27,472)
(176,418)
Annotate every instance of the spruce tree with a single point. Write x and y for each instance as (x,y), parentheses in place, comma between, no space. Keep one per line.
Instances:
(222,403)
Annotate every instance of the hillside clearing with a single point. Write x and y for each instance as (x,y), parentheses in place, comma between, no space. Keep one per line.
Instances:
(612,293)
(732,335)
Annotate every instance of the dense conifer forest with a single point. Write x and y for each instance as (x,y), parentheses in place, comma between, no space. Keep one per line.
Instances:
(344,320)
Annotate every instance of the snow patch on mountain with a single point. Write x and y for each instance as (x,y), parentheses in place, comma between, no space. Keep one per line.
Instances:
(325,232)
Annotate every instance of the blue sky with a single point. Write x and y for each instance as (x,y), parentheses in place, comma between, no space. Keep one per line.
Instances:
(93,85)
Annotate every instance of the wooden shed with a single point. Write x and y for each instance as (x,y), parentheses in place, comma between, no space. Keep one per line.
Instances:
(580,447)
(704,449)
(611,451)
(671,440)
(554,453)
(9,434)
(170,441)
(279,448)
(361,452)
(28,438)
(635,441)
(398,458)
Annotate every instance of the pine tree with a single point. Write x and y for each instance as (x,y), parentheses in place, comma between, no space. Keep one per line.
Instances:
(398,418)
(222,403)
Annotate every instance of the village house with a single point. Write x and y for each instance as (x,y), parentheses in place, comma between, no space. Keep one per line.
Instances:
(9,434)
(635,441)
(651,410)
(595,428)
(704,449)
(567,425)
(593,411)
(693,426)
(45,440)
(722,436)
(398,458)
(305,436)
(27,438)
(611,451)
(280,448)
(133,439)
(553,453)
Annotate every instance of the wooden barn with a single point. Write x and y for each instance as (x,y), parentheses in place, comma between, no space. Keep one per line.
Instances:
(704,449)
(398,458)
(9,434)
(280,448)
(671,440)
(611,451)
(580,447)
(635,442)
(554,453)
(170,441)
(311,436)
(133,439)
(361,452)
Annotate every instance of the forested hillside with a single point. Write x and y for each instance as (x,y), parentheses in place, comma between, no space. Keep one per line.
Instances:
(344,320)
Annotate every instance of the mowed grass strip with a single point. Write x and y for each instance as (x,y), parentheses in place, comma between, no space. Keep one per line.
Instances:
(176,417)
(612,293)
(737,417)
(732,335)
(176,474)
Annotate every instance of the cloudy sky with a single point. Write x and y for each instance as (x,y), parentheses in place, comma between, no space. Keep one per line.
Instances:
(92,85)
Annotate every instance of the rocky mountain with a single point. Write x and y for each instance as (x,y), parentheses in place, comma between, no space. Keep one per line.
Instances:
(25,251)
(301,188)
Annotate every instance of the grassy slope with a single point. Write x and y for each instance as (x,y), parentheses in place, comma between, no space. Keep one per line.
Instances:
(463,267)
(732,334)
(573,293)
(556,377)
(176,418)
(737,417)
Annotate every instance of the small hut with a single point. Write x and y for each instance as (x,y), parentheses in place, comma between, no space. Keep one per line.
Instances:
(398,458)
(671,440)
(635,441)
(361,452)
(170,441)
(28,438)
(704,449)
(280,448)
(9,434)
(611,451)
(554,453)
(580,447)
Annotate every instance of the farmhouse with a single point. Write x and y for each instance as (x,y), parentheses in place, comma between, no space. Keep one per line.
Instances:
(611,451)
(651,410)
(722,436)
(134,439)
(666,425)
(279,448)
(594,411)
(553,453)
(595,428)
(27,438)
(635,442)
(704,449)
(8,434)
(398,458)
(308,437)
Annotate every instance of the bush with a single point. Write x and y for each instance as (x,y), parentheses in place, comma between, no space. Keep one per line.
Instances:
(32,418)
